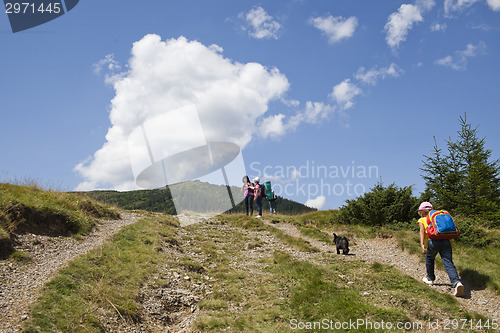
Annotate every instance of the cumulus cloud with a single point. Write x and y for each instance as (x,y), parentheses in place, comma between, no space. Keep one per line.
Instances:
(335,28)
(460,58)
(272,126)
(317,202)
(163,76)
(261,25)
(400,23)
(343,96)
(312,113)
(373,75)
(344,93)
(494,4)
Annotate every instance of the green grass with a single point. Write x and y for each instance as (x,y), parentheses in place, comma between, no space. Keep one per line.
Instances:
(317,294)
(285,288)
(32,209)
(106,278)
(255,224)
(477,264)
(480,267)
(256,285)
(21,256)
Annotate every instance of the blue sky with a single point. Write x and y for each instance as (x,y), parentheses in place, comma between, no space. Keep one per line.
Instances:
(325,98)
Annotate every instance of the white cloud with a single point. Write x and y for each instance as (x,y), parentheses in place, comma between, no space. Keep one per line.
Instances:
(484,27)
(278,125)
(110,67)
(446,61)
(163,76)
(452,6)
(317,202)
(457,5)
(460,58)
(494,4)
(425,5)
(373,75)
(335,28)
(344,93)
(109,63)
(262,25)
(400,22)
(313,113)
(272,126)
(438,27)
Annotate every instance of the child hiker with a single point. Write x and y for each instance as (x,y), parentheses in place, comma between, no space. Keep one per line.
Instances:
(431,247)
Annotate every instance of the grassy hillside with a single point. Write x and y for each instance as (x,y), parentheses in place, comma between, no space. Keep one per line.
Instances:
(31,209)
(241,275)
(196,196)
(231,274)
(159,200)
(477,263)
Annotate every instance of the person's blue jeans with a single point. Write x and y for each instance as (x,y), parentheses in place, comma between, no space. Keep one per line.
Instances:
(258,202)
(443,247)
(249,204)
(272,206)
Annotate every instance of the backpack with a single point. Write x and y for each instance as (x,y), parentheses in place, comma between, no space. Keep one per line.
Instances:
(269,192)
(440,225)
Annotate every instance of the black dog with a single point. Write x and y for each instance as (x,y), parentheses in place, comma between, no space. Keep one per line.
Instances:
(341,243)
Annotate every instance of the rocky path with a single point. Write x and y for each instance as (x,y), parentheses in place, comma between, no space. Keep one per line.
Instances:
(385,251)
(20,284)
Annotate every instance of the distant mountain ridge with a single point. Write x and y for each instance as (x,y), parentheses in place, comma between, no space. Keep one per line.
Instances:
(198,196)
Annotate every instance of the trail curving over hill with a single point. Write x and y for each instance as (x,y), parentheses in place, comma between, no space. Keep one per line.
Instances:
(21,283)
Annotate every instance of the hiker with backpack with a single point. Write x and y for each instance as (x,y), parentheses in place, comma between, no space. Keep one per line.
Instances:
(248,191)
(272,202)
(433,244)
(259,193)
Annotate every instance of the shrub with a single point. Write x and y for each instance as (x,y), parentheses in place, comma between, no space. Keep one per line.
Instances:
(473,232)
(381,206)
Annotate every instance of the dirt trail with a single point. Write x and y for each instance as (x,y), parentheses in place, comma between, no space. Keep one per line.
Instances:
(20,284)
(385,251)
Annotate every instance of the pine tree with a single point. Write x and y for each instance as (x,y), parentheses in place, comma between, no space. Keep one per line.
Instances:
(442,176)
(464,180)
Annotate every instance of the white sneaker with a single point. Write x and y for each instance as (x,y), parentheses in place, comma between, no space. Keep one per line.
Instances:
(426,280)
(259,216)
(459,289)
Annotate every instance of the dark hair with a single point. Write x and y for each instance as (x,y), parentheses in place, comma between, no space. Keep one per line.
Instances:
(246,179)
